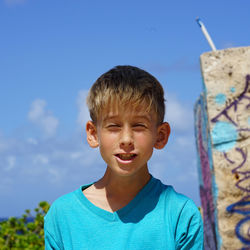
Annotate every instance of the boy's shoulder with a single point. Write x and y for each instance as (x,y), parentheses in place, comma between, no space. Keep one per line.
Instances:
(171,194)
(66,202)
(174,198)
(66,198)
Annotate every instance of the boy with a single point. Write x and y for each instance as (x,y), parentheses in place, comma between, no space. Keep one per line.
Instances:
(127,208)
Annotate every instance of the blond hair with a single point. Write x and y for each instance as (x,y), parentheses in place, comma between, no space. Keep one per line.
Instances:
(126,85)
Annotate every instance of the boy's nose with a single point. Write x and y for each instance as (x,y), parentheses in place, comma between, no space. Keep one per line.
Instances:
(126,138)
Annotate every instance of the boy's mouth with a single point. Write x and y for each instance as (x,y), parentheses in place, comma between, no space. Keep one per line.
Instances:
(126,157)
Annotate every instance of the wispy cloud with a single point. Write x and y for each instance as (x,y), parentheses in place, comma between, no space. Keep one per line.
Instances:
(83,113)
(10,162)
(178,114)
(49,167)
(43,118)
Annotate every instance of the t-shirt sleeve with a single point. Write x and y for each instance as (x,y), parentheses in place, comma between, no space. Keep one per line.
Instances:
(189,230)
(50,243)
(51,232)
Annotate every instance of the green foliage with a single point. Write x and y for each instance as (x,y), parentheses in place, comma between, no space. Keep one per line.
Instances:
(18,233)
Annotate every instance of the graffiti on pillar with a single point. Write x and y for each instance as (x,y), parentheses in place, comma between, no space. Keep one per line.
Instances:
(225,135)
(207,202)
(242,206)
(234,105)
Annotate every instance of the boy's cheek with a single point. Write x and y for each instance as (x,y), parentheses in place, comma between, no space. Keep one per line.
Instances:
(145,140)
(106,140)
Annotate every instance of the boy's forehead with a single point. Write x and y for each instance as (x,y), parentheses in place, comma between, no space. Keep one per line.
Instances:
(128,110)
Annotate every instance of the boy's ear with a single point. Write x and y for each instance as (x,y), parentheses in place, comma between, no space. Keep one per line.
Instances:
(92,137)
(163,133)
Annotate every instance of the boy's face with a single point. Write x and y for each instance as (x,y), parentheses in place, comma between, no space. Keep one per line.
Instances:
(126,138)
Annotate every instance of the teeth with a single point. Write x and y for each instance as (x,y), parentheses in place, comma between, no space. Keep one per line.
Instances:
(126,156)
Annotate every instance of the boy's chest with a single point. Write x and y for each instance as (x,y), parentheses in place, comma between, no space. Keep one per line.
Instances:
(108,203)
(150,232)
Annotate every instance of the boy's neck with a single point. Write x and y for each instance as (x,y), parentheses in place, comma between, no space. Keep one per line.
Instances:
(112,193)
(122,186)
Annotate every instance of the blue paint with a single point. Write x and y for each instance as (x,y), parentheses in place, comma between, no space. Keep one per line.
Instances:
(233,89)
(241,207)
(220,99)
(248,120)
(215,190)
(224,136)
(238,230)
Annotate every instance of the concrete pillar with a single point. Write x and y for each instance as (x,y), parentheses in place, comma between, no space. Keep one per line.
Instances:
(222,128)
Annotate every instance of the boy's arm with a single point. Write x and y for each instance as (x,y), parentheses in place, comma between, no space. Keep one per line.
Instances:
(189,230)
(50,243)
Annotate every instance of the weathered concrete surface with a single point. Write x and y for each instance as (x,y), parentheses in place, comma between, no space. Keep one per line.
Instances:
(223,141)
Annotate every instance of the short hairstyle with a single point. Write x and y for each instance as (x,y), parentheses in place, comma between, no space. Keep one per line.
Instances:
(126,85)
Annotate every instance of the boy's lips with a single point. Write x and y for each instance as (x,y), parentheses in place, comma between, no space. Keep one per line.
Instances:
(126,157)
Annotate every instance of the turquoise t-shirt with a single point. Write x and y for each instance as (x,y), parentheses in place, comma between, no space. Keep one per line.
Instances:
(157,218)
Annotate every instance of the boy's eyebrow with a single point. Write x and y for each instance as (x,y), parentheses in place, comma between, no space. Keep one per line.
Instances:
(107,117)
(145,117)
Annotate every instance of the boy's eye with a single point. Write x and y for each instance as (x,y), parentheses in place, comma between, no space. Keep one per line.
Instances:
(140,125)
(113,126)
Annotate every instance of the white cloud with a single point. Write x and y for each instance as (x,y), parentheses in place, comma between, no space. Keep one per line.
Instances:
(178,114)
(184,141)
(83,112)
(76,155)
(10,162)
(56,176)
(32,141)
(37,110)
(3,145)
(40,159)
(188,176)
(48,162)
(43,118)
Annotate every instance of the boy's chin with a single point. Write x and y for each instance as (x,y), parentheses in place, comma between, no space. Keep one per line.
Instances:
(126,170)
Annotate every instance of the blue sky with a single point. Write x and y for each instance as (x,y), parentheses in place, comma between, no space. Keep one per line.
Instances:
(52,51)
